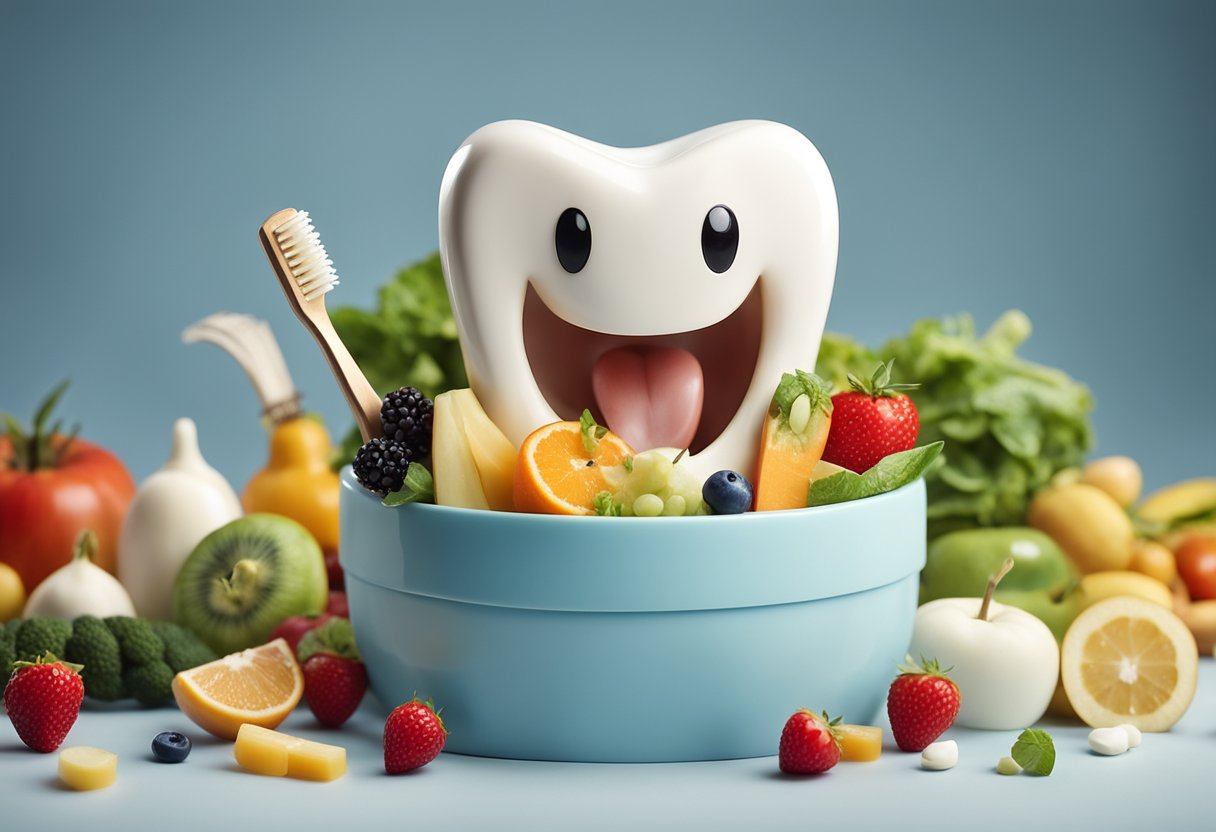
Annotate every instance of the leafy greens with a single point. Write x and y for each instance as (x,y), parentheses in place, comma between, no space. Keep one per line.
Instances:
(1009,424)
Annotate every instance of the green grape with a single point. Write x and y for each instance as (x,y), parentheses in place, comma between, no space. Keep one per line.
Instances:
(655,486)
(648,505)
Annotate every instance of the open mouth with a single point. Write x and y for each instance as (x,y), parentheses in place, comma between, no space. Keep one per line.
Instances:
(676,390)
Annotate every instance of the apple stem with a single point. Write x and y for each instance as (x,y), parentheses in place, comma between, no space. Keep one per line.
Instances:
(992,582)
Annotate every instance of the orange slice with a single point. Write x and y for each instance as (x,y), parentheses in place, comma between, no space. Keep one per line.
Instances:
(259,686)
(1129,660)
(556,475)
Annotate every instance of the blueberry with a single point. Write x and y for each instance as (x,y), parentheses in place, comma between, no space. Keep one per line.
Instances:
(170,747)
(727,492)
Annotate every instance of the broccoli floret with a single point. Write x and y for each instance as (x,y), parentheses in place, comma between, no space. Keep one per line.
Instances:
(94,646)
(149,683)
(8,649)
(139,643)
(42,634)
(183,649)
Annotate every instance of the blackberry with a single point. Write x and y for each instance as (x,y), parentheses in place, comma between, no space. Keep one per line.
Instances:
(380,465)
(407,417)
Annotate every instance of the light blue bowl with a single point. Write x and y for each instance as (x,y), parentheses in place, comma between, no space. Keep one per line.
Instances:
(632,639)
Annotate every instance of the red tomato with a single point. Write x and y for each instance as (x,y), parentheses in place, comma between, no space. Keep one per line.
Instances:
(42,512)
(1197,565)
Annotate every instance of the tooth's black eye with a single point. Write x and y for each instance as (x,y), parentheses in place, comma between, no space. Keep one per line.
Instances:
(719,238)
(572,238)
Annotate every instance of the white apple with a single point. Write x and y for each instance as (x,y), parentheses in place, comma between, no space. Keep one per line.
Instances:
(1005,664)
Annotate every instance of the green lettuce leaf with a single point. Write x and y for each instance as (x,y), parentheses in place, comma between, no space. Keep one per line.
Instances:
(891,472)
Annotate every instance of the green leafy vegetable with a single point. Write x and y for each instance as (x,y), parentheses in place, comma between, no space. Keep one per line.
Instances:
(591,432)
(1034,752)
(605,506)
(892,472)
(418,487)
(1010,424)
(409,339)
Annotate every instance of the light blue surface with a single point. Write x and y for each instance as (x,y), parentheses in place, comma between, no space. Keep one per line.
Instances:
(1051,156)
(524,626)
(1165,784)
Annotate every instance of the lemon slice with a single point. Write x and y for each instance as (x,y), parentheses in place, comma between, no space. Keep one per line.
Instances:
(260,686)
(1129,660)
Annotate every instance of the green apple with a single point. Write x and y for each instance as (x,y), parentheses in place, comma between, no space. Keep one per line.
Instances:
(1056,606)
(1044,583)
(959,564)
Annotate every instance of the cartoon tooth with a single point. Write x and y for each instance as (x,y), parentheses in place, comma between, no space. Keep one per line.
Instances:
(666,288)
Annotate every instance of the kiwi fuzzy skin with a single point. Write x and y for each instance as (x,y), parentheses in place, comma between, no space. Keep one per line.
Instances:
(288,578)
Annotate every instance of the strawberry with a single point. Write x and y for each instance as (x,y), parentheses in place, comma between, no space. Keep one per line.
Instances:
(413,736)
(334,676)
(333,687)
(871,421)
(43,699)
(809,743)
(921,704)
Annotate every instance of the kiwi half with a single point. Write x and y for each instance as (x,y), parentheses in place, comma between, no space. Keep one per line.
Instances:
(246,577)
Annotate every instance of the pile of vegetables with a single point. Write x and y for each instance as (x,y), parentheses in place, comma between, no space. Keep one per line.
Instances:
(1009,424)
(122,656)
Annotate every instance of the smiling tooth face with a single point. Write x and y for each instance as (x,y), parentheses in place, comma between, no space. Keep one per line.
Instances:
(666,288)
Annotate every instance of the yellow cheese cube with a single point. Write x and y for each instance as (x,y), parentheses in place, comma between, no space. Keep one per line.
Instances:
(263,751)
(84,768)
(860,743)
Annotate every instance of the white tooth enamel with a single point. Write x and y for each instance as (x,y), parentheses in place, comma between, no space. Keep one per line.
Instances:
(509,182)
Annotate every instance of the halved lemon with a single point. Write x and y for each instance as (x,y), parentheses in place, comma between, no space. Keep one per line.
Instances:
(260,686)
(1129,660)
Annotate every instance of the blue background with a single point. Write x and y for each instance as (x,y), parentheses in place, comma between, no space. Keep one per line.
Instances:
(1057,157)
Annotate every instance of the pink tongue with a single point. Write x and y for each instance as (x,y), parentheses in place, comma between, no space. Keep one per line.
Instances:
(650,396)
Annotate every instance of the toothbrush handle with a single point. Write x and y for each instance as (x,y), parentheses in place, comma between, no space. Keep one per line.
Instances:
(364,401)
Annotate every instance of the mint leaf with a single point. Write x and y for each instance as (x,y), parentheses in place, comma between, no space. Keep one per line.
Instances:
(1035,752)
(419,487)
(891,472)
(592,432)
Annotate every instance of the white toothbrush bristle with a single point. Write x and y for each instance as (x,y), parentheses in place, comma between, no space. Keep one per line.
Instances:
(310,266)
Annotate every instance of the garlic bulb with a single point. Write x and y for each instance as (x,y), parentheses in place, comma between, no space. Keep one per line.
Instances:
(79,588)
(172,511)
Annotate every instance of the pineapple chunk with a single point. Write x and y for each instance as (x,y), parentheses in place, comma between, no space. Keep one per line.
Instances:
(457,481)
(860,743)
(493,453)
(264,751)
(84,768)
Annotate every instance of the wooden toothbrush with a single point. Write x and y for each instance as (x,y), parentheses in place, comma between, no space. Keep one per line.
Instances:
(307,274)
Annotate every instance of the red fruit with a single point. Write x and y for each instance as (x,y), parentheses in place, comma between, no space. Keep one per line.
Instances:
(809,743)
(337,604)
(921,704)
(43,699)
(293,629)
(333,687)
(53,487)
(413,736)
(1197,566)
(337,578)
(871,421)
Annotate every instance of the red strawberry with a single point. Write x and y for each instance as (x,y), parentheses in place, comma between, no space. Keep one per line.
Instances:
(43,699)
(921,704)
(413,736)
(334,676)
(871,421)
(333,687)
(809,743)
